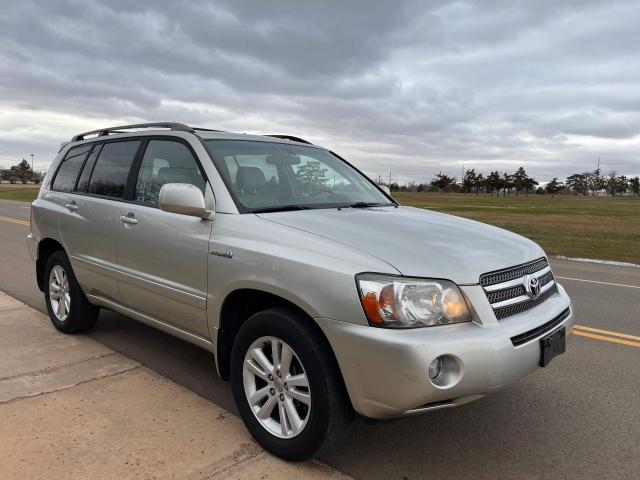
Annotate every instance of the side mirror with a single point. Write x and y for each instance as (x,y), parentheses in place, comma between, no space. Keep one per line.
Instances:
(385,189)
(182,198)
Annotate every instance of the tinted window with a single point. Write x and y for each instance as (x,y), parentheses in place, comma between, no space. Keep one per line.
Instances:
(165,161)
(67,174)
(110,174)
(83,181)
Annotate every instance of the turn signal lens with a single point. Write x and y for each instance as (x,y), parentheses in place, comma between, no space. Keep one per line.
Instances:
(399,302)
(372,308)
(453,304)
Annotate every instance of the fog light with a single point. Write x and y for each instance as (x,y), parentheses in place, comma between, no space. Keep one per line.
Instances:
(435,368)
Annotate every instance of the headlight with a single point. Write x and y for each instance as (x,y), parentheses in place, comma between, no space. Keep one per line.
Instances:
(399,302)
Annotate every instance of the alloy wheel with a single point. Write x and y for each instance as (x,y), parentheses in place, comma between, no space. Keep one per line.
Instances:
(276,387)
(59,293)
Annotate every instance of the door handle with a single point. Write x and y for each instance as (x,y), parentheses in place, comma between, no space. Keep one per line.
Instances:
(128,219)
(71,206)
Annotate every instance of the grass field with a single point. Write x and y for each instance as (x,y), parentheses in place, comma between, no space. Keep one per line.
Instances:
(602,227)
(25,193)
(588,227)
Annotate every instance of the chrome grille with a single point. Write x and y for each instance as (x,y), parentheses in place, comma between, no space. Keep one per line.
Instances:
(506,294)
(507,274)
(506,291)
(505,312)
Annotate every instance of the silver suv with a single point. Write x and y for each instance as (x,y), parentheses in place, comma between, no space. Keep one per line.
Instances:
(319,296)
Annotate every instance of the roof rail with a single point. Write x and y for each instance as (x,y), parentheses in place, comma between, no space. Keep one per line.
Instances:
(291,137)
(207,129)
(181,127)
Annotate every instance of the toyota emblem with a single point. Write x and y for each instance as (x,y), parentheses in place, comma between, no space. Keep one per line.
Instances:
(532,286)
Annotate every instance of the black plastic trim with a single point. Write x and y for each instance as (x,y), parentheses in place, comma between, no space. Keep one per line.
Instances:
(534,333)
(96,147)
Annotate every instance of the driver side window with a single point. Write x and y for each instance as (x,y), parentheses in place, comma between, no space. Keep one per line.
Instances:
(165,161)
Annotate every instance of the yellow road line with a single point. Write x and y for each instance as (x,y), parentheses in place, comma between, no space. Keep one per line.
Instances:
(606,339)
(14,220)
(607,332)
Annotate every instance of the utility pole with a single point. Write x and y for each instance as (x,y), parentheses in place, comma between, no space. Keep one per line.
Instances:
(32,162)
(389,178)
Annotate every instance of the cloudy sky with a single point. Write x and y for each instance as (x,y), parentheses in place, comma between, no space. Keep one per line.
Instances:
(411,87)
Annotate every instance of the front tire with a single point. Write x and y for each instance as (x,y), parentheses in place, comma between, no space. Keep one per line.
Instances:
(68,308)
(287,385)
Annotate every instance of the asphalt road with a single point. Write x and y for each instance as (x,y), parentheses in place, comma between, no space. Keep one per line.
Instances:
(577,418)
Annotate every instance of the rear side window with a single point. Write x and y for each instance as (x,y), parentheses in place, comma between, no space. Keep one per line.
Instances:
(65,179)
(165,161)
(110,174)
(83,181)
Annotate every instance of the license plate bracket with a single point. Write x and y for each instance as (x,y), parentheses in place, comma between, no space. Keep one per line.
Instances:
(551,346)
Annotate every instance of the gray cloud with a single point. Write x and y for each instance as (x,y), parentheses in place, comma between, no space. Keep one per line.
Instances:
(408,86)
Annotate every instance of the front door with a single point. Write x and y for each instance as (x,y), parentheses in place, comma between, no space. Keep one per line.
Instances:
(162,257)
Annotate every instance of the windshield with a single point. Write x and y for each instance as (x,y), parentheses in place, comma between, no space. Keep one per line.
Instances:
(264,177)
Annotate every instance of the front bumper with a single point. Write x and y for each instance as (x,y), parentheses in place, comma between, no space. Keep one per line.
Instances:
(386,371)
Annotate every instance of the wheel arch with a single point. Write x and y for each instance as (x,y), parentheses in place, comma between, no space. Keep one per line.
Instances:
(46,247)
(238,306)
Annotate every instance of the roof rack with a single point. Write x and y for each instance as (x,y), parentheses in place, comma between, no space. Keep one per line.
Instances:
(181,127)
(291,137)
(207,129)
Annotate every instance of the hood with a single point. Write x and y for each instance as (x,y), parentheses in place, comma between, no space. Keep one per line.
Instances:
(417,242)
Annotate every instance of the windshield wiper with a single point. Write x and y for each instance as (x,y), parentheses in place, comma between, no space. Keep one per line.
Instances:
(368,204)
(280,208)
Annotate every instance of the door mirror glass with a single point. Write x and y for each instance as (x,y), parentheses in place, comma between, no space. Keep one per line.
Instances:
(182,198)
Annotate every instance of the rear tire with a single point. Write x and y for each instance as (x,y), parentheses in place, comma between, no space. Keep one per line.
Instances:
(68,308)
(316,415)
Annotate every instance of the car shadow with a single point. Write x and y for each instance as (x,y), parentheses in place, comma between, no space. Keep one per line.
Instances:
(185,364)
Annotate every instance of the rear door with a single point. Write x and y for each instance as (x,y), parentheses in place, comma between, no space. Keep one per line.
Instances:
(163,256)
(89,228)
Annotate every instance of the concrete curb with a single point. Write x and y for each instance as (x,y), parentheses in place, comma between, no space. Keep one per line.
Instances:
(72,408)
